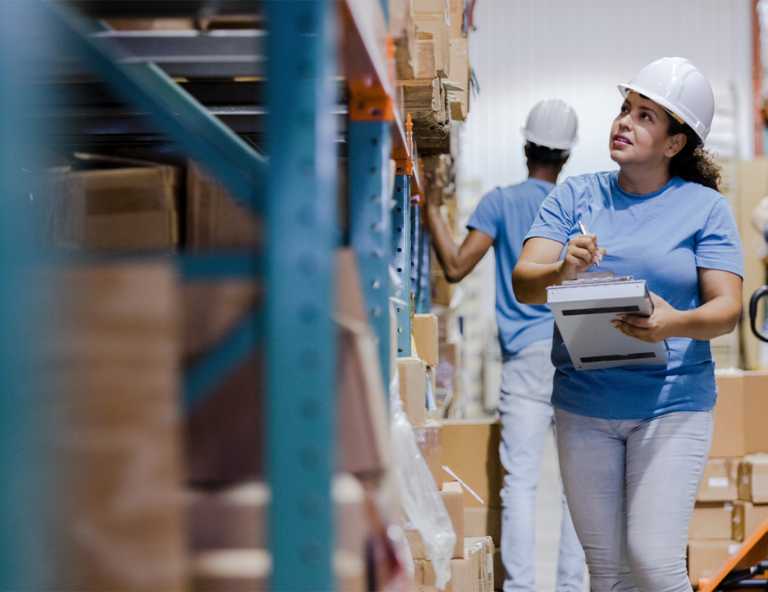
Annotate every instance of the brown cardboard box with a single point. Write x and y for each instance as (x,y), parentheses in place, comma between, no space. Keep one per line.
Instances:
(230,570)
(485,562)
(429,438)
(705,558)
(116,368)
(210,310)
(462,576)
(442,289)
(413,388)
(230,517)
(756,412)
(131,207)
(451,495)
(460,76)
(753,479)
(215,220)
(471,450)
(424,329)
(711,521)
(457,19)
(720,480)
(728,435)
(483,521)
(746,518)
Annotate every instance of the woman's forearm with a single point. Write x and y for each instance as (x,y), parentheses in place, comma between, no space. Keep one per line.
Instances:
(531,280)
(712,319)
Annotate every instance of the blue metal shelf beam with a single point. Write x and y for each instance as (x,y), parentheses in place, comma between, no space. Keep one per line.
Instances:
(301,350)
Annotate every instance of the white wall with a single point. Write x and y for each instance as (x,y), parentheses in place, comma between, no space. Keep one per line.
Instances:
(579,50)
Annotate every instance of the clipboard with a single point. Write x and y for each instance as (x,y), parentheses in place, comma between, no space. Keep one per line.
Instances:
(583,310)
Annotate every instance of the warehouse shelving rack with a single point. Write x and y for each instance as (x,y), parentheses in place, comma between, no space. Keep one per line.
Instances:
(293,187)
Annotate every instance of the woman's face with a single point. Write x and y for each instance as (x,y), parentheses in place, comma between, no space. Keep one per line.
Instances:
(639,133)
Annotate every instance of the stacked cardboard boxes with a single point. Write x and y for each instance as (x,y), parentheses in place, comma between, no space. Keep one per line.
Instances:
(733,498)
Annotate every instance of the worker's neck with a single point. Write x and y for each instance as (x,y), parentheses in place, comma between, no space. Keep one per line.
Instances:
(642,180)
(544,173)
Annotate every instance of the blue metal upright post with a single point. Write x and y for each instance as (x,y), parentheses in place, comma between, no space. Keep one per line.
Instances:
(26,523)
(369,150)
(415,248)
(401,259)
(301,336)
(423,290)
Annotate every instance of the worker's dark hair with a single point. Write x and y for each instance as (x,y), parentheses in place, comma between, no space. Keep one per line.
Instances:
(543,155)
(692,163)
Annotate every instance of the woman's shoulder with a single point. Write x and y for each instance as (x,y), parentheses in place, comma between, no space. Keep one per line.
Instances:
(700,195)
(589,180)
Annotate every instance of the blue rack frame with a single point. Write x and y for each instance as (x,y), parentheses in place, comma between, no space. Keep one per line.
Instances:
(295,189)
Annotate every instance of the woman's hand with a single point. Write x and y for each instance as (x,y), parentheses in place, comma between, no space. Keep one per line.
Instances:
(582,253)
(657,327)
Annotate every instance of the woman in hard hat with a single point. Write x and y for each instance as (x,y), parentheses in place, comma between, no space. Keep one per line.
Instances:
(633,441)
(501,220)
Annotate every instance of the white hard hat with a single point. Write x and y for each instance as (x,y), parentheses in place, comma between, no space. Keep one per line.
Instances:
(680,87)
(551,123)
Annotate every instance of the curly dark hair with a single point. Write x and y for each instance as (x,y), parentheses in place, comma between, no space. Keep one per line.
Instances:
(693,163)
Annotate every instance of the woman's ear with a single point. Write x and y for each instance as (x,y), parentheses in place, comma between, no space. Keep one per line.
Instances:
(675,144)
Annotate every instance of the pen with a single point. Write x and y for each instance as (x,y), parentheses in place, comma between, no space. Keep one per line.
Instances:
(583,230)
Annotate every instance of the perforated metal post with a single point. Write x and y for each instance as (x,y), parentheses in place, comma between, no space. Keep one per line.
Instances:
(301,336)
(401,260)
(423,291)
(415,246)
(369,149)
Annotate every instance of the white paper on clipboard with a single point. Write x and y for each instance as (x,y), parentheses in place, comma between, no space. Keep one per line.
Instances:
(583,311)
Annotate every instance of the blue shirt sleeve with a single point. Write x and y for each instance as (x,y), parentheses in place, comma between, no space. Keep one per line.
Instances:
(488,214)
(718,245)
(556,216)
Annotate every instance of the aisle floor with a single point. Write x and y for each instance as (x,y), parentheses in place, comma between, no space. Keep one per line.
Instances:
(548,517)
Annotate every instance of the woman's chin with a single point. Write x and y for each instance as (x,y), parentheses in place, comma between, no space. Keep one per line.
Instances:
(619,156)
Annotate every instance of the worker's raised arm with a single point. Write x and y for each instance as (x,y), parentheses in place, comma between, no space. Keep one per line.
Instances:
(457,261)
(540,266)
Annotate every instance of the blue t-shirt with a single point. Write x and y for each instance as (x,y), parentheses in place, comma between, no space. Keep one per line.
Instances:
(506,214)
(661,237)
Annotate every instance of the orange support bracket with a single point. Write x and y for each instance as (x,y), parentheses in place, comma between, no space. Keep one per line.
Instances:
(752,551)
(404,166)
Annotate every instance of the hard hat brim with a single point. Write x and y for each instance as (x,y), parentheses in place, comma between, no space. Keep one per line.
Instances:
(548,143)
(695,125)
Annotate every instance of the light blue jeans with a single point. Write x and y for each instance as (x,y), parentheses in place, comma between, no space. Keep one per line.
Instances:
(526,415)
(631,487)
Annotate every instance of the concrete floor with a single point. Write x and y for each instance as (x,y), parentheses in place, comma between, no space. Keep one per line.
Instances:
(548,517)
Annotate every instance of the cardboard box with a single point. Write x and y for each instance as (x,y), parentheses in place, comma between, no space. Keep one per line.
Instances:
(711,521)
(429,438)
(131,206)
(728,435)
(462,576)
(471,450)
(720,480)
(479,522)
(755,412)
(442,289)
(116,370)
(706,558)
(215,220)
(753,479)
(210,310)
(229,517)
(747,517)
(231,569)
(452,497)
(424,329)
(413,389)
(485,560)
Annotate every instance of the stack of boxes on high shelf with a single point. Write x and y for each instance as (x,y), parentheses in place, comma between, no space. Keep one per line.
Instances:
(732,501)
(470,449)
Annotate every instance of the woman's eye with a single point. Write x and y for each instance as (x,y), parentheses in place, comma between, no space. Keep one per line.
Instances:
(646,116)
